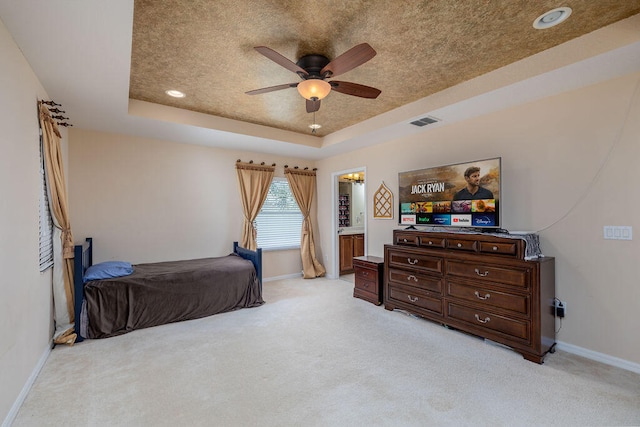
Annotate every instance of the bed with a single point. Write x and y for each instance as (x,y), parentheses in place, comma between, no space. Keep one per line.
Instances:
(159,293)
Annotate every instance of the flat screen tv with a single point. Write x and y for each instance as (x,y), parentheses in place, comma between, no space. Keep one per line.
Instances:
(459,195)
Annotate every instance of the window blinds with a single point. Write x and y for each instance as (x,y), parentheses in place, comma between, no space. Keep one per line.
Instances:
(279,223)
(46,224)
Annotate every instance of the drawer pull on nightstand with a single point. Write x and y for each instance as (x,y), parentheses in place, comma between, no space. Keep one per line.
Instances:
(486,296)
(430,242)
(412,299)
(481,274)
(365,273)
(414,262)
(486,319)
(366,285)
(459,245)
(405,240)
(495,248)
(412,277)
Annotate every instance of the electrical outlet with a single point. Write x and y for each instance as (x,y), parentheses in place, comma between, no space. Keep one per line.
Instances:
(560,307)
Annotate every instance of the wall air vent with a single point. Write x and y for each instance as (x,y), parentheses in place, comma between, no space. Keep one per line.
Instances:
(425,121)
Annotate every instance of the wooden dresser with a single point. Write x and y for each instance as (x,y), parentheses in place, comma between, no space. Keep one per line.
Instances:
(368,278)
(477,283)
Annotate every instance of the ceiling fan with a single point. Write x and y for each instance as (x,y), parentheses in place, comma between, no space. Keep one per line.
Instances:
(315,69)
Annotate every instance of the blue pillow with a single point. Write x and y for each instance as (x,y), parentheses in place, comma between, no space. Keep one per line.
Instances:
(107,270)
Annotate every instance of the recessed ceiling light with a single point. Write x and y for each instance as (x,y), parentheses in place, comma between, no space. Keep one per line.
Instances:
(551,18)
(175,93)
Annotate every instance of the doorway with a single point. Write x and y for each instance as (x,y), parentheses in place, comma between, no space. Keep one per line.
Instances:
(349,220)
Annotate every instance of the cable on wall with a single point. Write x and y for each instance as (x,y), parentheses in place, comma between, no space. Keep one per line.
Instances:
(616,141)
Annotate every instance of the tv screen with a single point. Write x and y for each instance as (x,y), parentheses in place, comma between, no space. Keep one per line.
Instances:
(459,195)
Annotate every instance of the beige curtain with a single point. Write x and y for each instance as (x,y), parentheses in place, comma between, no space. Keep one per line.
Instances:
(303,185)
(62,236)
(254,181)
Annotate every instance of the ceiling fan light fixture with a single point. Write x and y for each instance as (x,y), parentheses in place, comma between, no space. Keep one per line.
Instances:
(314,89)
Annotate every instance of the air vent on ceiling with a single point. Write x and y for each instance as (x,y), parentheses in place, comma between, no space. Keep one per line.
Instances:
(425,121)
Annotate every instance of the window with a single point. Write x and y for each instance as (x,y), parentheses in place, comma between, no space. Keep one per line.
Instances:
(46,224)
(279,223)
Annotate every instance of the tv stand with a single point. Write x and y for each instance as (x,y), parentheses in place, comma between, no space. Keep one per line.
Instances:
(476,283)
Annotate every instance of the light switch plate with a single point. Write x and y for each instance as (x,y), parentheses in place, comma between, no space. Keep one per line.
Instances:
(618,232)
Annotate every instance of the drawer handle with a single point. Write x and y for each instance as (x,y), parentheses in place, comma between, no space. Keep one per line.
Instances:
(412,277)
(486,296)
(405,240)
(414,262)
(366,285)
(364,273)
(430,242)
(412,299)
(459,245)
(495,248)
(481,274)
(486,319)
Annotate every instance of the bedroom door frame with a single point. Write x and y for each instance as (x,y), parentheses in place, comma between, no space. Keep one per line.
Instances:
(335,240)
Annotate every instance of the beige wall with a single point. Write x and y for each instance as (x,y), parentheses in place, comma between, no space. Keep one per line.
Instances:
(25,293)
(145,200)
(569,167)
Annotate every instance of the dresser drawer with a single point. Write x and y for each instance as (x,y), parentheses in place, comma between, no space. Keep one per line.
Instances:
(490,298)
(478,271)
(510,248)
(515,328)
(365,273)
(370,286)
(433,242)
(404,277)
(413,296)
(415,261)
(406,239)
(462,245)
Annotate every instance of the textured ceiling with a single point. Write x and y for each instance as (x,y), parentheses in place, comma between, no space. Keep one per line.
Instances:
(205,49)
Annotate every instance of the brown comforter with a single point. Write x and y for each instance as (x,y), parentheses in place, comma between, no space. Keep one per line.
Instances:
(166,292)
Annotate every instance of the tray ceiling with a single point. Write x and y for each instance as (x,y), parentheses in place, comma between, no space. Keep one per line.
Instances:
(205,49)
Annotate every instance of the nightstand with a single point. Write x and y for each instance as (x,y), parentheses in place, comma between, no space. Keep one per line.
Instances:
(368,278)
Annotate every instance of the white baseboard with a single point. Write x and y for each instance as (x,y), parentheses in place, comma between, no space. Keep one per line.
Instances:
(286,276)
(11,416)
(599,357)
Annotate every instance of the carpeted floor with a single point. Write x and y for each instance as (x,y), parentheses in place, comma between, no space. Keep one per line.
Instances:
(315,356)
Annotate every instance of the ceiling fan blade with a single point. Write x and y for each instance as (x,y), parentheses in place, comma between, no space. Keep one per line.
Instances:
(349,60)
(355,89)
(281,60)
(271,89)
(313,106)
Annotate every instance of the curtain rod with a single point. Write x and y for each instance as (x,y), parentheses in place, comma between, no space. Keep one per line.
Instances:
(296,168)
(53,108)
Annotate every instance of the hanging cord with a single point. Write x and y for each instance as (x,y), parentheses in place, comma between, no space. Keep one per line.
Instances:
(616,141)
